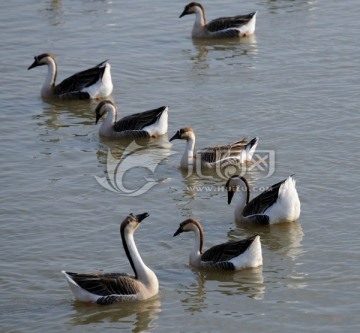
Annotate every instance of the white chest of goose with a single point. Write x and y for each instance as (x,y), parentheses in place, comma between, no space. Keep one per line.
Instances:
(279,203)
(223,27)
(92,83)
(235,153)
(230,256)
(109,288)
(152,123)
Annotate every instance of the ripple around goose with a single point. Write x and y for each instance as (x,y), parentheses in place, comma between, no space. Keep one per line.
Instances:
(234,153)
(279,203)
(223,27)
(152,123)
(109,288)
(89,84)
(229,256)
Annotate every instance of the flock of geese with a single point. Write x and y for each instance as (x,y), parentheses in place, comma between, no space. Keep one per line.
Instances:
(279,203)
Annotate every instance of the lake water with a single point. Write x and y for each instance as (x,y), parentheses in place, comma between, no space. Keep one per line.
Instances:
(295,85)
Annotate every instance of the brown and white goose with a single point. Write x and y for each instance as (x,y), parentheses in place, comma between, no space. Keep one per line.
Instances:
(89,84)
(109,288)
(279,203)
(152,123)
(223,27)
(231,256)
(234,153)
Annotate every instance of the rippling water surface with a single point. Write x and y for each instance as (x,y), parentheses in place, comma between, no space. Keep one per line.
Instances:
(295,85)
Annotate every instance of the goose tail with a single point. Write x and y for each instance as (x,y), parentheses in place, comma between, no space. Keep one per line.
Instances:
(250,149)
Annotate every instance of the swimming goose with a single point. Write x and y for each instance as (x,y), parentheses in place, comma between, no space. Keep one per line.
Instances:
(223,27)
(279,203)
(92,83)
(145,124)
(109,288)
(233,153)
(236,255)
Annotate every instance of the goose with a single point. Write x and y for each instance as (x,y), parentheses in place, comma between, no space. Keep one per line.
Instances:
(234,153)
(110,288)
(279,203)
(89,84)
(245,253)
(223,27)
(152,123)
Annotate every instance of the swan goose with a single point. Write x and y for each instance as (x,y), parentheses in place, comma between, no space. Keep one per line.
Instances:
(89,84)
(279,203)
(152,123)
(231,256)
(234,153)
(223,27)
(110,288)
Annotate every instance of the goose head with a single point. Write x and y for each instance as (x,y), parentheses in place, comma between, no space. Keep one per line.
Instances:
(132,222)
(188,225)
(237,183)
(42,59)
(185,133)
(103,107)
(192,8)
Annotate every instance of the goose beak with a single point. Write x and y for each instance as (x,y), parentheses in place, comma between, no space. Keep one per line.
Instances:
(34,64)
(176,136)
(97,118)
(177,232)
(183,13)
(142,216)
(230,196)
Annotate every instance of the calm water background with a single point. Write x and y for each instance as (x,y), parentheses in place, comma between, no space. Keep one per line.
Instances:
(295,85)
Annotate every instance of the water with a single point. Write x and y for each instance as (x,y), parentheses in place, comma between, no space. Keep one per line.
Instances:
(295,85)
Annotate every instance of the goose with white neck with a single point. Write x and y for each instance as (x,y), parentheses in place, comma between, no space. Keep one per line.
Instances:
(109,288)
(230,256)
(92,83)
(279,203)
(152,123)
(223,27)
(234,153)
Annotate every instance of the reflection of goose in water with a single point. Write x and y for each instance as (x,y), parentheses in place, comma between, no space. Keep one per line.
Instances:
(282,238)
(141,315)
(195,296)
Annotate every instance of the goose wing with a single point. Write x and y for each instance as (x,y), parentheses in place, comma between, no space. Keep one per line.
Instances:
(106,284)
(138,121)
(227,251)
(229,154)
(81,80)
(224,23)
(263,201)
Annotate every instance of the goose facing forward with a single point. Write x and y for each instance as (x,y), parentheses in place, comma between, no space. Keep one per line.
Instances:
(234,153)
(109,288)
(279,203)
(231,256)
(223,27)
(91,83)
(152,123)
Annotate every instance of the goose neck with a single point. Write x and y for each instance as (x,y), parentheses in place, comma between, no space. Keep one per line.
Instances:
(107,126)
(197,250)
(141,271)
(50,79)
